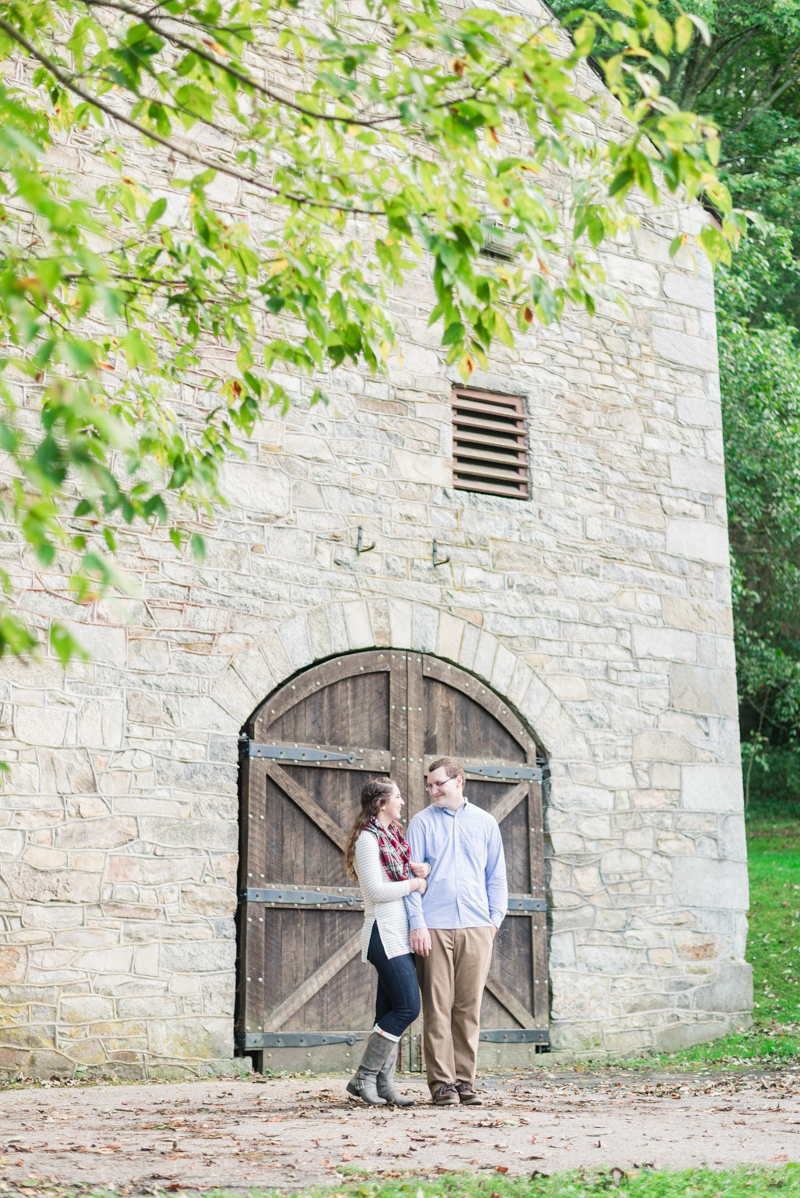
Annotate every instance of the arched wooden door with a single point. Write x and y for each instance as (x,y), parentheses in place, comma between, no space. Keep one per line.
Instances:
(305,999)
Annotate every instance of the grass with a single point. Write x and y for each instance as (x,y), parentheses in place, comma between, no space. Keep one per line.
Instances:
(742,1182)
(644,1183)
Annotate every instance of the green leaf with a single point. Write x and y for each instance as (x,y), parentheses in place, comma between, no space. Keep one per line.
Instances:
(683,33)
(157,210)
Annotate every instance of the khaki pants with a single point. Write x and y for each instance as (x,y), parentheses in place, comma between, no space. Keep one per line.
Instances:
(452,979)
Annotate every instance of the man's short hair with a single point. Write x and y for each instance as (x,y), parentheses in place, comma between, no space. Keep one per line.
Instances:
(449,764)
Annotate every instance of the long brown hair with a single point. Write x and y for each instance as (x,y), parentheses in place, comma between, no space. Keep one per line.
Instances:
(373,796)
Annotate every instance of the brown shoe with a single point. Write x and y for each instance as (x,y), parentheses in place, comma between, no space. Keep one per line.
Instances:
(446,1095)
(467,1095)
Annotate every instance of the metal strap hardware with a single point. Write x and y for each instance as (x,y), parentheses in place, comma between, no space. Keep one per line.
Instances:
(517,1036)
(523,903)
(510,773)
(294,896)
(288,896)
(296,1039)
(298,753)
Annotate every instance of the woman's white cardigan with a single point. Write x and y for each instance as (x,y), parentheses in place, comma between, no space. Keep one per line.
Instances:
(383,900)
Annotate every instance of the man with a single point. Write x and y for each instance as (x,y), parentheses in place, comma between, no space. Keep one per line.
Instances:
(453,927)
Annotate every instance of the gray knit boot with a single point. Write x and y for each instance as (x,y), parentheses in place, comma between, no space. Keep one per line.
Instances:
(363,1084)
(386,1083)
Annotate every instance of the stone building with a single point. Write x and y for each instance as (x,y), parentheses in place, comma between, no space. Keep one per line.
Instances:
(561,610)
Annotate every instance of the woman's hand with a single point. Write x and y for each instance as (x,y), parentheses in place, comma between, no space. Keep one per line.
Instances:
(420,869)
(417,884)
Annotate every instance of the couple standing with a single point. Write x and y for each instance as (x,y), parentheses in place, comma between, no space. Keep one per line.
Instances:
(432,907)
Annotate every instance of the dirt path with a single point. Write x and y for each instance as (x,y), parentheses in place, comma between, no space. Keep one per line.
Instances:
(296,1131)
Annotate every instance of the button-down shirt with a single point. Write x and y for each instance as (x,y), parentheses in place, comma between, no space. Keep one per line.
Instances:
(467,885)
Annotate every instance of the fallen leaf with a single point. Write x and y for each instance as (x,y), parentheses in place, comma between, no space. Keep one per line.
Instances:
(501,1169)
(784,1157)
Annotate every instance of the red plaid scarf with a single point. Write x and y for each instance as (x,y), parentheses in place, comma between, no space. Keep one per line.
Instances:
(393,847)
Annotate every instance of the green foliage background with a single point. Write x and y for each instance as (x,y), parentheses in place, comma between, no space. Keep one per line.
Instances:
(748,80)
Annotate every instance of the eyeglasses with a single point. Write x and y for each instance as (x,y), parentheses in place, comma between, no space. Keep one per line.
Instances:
(431,786)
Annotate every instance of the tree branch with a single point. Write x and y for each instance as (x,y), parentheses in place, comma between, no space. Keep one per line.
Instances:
(88,98)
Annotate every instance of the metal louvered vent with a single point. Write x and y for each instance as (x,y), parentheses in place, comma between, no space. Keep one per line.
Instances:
(489,444)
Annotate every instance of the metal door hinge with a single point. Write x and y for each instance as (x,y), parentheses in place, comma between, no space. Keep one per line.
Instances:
(296,1039)
(523,773)
(517,1036)
(298,753)
(524,902)
(287,896)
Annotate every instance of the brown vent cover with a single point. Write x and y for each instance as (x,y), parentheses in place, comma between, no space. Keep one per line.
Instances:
(489,444)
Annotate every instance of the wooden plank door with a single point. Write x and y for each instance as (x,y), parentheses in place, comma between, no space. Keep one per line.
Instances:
(462,718)
(304,998)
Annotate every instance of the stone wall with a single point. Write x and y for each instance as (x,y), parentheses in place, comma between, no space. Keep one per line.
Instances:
(600,608)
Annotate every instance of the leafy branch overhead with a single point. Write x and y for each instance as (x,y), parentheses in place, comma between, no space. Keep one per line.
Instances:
(146,326)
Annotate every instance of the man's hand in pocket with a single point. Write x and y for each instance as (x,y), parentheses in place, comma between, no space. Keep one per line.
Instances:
(420,939)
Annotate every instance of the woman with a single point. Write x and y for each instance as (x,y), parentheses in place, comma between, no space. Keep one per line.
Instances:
(378,857)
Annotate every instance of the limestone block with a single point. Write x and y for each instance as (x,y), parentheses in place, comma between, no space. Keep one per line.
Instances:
(697,615)
(158,1006)
(690,290)
(667,644)
(11,842)
(721,884)
(730,992)
(696,946)
(66,772)
(202,777)
(97,833)
(608,958)
(184,833)
(103,644)
(233,694)
(732,842)
(710,787)
(45,726)
(208,900)
(359,628)
(13,963)
(146,960)
(621,863)
(426,468)
(562,951)
(706,691)
(677,1036)
(196,1038)
(294,637)
(100,724)
(448,637)
(85,1008)
(106,961)
(46,886)
(699,353)
(425,628)
(401,615)
(698,541)
(256,488)
(697,474)
(51,916)
(201,957)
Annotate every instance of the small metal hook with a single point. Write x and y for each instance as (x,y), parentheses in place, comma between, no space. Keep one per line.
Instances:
(438,561)
(360,546)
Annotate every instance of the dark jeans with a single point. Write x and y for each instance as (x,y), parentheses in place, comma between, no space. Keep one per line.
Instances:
(397,1000)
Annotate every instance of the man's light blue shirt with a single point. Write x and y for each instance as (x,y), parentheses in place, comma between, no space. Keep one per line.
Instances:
(467,885)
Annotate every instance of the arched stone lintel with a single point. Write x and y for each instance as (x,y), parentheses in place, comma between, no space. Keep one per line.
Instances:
(378,623)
